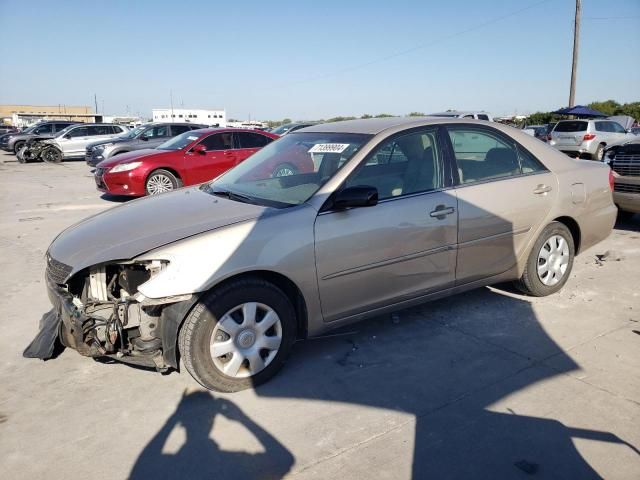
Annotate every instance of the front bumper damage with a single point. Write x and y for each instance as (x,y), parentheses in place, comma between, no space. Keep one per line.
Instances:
(68,324)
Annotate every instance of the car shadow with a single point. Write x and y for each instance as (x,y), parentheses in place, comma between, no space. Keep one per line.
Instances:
(200,457)
(447,363)
(115,198)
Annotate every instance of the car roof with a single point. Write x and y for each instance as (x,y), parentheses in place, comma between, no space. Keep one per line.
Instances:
(373,126)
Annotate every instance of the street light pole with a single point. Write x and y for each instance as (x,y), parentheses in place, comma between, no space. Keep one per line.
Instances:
(574,65)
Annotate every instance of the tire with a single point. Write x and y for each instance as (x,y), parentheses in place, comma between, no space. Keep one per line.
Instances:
(540,285)
(17,147)
(161,181)
(211,316)
(51,155)
(599,155)
(284,170)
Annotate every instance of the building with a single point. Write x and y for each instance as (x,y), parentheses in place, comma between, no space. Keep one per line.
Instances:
(249,124)
(215,118)
(24,115)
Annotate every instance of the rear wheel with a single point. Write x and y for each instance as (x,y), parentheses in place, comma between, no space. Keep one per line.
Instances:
(599,155)
(550,262)
(238,335)
(161,181)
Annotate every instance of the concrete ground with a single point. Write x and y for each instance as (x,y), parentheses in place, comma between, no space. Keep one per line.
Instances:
(488,384)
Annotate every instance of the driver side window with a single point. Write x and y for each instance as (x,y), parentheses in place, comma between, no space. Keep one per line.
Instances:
(218,141)
(402,166)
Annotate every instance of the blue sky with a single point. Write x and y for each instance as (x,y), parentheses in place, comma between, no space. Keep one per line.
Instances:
(307,60)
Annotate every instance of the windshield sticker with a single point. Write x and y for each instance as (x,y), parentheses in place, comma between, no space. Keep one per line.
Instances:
(191,137)
(329,148)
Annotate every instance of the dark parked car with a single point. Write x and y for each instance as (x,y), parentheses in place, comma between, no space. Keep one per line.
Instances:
(149,135)
(7,129)
(290,127)
(15,141)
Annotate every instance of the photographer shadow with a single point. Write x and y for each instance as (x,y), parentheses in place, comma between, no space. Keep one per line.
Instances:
(200,456)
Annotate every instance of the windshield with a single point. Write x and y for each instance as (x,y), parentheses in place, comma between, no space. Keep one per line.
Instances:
(179,142)
(133,133)
(290,170)
(64,131)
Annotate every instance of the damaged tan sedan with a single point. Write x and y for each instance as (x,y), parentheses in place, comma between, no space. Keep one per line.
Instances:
(370,217)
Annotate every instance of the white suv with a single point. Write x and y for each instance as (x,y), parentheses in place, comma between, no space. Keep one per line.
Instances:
(72,141)
(578,138)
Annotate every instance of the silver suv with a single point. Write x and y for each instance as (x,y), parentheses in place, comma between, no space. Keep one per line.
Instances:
(72,141)
(588,138)
(149,135)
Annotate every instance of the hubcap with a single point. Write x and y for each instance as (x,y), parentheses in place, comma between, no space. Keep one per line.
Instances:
(553,260)
(159,184)
(283,172)
(246,339)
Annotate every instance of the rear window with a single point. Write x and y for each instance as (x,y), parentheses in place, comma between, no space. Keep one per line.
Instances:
(571,126)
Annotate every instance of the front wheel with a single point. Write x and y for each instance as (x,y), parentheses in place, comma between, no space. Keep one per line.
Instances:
(238,335)
(51,154)
(161,181)
(550,262)
(17,147)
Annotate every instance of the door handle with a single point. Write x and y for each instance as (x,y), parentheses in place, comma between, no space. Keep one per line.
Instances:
(441,211)
(542,189)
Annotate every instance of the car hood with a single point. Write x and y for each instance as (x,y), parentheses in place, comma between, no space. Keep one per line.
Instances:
(132,156)
(129,230)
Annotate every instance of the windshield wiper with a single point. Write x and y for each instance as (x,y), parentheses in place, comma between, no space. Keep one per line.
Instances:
(233,196)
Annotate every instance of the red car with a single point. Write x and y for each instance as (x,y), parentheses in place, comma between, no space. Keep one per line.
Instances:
(187,159)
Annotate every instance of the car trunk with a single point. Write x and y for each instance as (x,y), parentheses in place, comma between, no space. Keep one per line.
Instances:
(570,133)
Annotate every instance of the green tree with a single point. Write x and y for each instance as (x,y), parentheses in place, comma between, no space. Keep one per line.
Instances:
(384,115)
(340,119)
(608,107)
(366,115)
(416,114)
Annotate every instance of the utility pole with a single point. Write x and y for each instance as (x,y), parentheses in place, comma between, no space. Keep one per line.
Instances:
(95,102)
(171,100)
(576,45)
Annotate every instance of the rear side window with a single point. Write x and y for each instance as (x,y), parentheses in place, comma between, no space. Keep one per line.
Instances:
(116,129)
(571,126)
(603,127)
(178,129)
(481,155)
(482,116)
(252,140)
(99,130)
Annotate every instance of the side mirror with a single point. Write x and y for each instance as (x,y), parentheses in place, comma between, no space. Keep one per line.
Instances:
(143,138)
(201,149)
(360,196)
(67,136)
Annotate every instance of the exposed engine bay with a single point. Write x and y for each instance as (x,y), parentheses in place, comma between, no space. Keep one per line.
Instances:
(101,312)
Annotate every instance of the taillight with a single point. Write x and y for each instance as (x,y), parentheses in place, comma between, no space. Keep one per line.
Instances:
(611,180)
(588,136)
